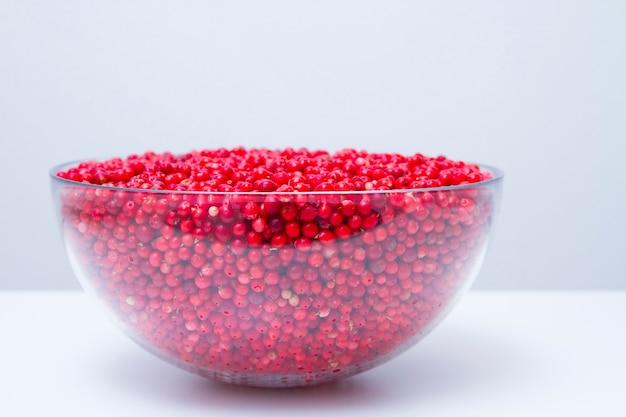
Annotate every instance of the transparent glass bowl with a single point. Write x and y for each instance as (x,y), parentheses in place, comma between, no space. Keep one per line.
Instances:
(271,289)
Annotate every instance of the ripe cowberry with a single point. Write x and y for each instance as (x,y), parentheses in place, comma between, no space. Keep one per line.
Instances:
(276,268)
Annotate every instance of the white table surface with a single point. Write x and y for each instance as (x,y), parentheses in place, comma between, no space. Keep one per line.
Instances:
(497,354)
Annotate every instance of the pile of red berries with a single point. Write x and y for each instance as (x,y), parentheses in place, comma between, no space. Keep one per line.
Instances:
(288,170)
(276,268)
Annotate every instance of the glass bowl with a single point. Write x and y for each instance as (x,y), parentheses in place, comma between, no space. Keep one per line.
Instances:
(276,289)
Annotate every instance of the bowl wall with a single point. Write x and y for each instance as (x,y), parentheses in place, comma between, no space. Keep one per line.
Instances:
(276,289)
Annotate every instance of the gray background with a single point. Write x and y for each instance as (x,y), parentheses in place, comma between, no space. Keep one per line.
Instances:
(536,88)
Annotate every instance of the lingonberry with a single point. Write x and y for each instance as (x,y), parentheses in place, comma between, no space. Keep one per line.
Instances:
(201,260)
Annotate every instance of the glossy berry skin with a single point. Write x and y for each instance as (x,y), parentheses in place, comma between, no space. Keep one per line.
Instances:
(229,263)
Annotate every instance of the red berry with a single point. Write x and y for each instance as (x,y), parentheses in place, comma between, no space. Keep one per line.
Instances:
(293,287)
(292,229)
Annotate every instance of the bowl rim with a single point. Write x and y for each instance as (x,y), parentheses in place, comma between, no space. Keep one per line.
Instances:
(496,176)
